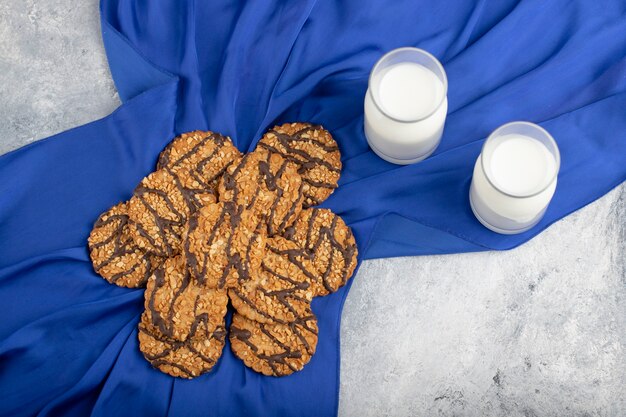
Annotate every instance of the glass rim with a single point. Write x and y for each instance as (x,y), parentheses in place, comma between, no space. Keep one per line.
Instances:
(557,158)
(421,52)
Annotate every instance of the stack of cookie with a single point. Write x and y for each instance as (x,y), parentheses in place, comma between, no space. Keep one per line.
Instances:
(210,225)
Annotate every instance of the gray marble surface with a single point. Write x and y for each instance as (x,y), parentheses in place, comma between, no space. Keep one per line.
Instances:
(536,331)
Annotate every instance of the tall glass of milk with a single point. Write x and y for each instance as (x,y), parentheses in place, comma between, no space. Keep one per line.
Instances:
(405,105)
(514,177)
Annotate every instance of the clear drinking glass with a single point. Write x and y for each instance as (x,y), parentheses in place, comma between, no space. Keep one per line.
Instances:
(406,105)
(514,177)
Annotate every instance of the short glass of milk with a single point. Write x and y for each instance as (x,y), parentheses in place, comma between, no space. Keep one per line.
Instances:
(406,105)
(514,177)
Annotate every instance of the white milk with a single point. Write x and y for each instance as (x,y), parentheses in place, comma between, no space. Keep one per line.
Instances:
(521,167)
(406,91)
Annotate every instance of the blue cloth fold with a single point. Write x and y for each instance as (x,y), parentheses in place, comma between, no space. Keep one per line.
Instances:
(69,345)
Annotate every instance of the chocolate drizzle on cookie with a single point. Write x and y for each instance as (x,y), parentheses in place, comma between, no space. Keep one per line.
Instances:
(168,231)
(338,261)
(306,160)
(279,291)
(204,158)
(302,144)
(291,345)
(165,158)
(197,192)
(260,177)
(165,326)
(180,358)
(116,257)
(288,217)
(177,307)
(227,225)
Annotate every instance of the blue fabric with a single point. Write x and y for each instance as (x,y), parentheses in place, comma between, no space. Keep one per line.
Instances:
(68,345)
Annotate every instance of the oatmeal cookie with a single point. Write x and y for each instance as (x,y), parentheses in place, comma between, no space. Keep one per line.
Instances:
(268,186)
(274,349)
(177,306)
(279,290)
(221,247)
(329,244)
(196,193)
(185,359)
(315,152)
(114,254)
(160,211)
(208,154)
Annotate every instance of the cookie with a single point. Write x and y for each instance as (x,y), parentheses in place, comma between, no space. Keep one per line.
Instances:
(279,291)
(274,349)
(177,306)
(221,246)
(199,159)
(330,246)
(315,152)
(206,153)
(267,185)
(114,254)
(160,210)
(195,191)
(186,359)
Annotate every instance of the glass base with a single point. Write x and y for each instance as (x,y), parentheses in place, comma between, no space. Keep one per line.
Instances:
(400,161)
(499,230)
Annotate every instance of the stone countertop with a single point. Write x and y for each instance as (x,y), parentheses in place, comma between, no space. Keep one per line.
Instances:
(536,331)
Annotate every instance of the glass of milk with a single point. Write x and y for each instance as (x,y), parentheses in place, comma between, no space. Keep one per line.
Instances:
(514,177)
(406,105)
